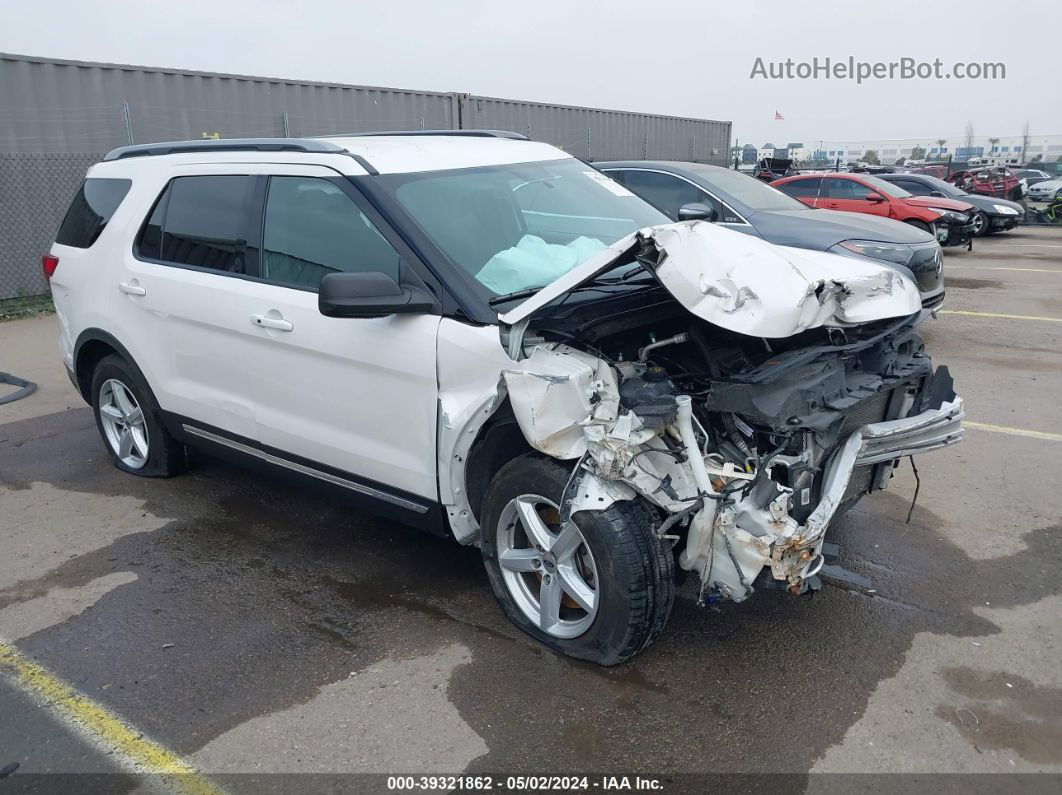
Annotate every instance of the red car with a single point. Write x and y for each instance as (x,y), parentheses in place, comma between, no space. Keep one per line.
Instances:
(949,220)
(996,181)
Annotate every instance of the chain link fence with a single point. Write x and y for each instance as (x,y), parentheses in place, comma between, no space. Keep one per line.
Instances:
(35,190)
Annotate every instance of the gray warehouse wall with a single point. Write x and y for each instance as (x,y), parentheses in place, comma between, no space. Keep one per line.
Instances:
(57,118)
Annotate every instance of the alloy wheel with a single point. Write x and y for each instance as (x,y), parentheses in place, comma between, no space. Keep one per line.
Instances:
(548,570)
(123,424)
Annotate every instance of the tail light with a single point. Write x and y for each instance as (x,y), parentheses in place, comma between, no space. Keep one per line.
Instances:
(49,262)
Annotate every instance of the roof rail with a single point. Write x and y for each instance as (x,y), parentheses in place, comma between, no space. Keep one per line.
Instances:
(227,145)
(467,133)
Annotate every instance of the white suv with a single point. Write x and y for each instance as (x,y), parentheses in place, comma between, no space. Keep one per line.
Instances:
(486,338)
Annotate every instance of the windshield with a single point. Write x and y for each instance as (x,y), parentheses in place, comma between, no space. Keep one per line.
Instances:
(519,226)
(754,193)
(885,187)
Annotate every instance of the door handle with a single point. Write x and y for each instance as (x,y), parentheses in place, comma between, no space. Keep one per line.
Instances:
(131,289)
(275,323)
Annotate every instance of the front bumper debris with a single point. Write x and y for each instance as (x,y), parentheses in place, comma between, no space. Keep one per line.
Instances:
(746,539)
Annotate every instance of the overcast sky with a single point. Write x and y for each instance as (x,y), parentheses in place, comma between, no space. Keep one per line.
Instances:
(684,59)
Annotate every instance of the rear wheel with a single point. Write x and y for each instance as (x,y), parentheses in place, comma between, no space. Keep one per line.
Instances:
(127,417)
(600,588)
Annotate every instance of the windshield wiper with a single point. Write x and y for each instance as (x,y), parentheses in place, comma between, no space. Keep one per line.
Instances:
(594,284)
(513,296)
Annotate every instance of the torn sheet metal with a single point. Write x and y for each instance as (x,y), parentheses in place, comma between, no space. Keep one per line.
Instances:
(556,393)
(747,285)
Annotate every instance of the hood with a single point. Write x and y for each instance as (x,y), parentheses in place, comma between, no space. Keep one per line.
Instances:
(747,285)
(820,229)
(985,204)
(943,204)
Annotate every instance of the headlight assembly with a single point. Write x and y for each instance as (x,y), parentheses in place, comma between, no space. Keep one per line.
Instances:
(890,252)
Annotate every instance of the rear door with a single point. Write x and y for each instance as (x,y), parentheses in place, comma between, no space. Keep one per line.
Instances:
(181,293)
(354,397)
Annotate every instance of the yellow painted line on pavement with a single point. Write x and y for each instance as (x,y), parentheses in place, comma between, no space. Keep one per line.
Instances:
(968,313)
(983,426)
(102,725)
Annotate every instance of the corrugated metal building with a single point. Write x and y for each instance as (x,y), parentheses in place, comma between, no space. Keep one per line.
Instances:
(55,115)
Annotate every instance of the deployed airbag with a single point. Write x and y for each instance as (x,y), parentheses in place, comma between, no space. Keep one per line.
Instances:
(533,263)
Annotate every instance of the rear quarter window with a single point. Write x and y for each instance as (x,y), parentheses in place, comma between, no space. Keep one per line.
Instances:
(93,206)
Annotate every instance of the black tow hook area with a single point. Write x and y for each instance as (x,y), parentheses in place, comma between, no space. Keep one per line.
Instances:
(831,571)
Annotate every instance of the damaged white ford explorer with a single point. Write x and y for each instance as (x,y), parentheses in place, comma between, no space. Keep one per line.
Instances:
(484,337)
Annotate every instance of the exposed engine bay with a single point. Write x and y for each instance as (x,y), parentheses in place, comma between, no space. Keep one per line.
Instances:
(748,446)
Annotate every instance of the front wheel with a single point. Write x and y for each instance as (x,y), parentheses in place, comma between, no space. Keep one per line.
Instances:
(600,588)
(980,224)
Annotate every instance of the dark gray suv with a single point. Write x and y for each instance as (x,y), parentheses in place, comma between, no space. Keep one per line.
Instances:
(746,204)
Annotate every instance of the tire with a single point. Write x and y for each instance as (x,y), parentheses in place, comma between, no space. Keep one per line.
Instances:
(127,413)
(617,560)
(981,224)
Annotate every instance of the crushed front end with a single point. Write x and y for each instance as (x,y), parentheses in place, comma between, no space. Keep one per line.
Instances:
(747,446)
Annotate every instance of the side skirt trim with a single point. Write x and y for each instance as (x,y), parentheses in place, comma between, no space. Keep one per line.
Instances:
(305,470)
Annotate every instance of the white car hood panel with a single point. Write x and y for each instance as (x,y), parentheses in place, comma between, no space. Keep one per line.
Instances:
(747,285)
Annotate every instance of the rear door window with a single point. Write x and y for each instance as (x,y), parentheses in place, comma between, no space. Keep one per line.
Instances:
(806,188)
(92,208)
(205,222)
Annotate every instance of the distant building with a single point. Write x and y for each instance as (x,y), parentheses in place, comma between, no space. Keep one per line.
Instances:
(1048,148)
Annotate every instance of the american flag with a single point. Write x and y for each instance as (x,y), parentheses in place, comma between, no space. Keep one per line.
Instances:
(778,116)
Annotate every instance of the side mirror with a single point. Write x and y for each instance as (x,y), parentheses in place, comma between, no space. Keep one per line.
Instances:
(877,198)
(938,194)
(370,295)
(696,211)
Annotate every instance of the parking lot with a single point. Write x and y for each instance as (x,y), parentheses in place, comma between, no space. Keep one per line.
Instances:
(232,624)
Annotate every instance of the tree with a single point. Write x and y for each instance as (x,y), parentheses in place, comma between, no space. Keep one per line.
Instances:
(969,137)
(940,150)
(918,153)
(993,141)
(1024,140)
(900,161)
(870,157)
(1036,159)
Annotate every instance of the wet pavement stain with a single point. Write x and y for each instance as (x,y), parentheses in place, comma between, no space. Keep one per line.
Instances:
(268,593)
(971,284)
(1004,711)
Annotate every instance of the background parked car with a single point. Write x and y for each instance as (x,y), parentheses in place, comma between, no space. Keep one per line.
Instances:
(1032,175)
(771,168)
(999,181)
(747,205)
(990,214)
(947,219)
(1047,190)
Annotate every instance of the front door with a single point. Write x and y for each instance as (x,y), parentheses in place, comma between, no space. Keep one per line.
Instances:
(851,196)
(358,395)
